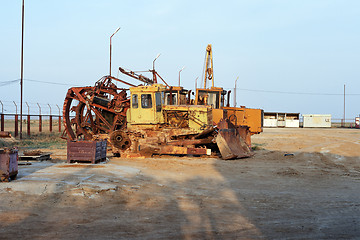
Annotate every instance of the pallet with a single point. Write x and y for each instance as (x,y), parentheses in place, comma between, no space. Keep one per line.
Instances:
(42,157)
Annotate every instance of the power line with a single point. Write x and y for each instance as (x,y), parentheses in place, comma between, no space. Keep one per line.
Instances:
(298,93)
(55,83)
(3,83)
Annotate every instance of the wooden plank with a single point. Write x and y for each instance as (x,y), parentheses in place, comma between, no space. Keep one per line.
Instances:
(42,157)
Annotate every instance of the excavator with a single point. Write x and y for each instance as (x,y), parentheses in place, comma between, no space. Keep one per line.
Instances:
(152,118)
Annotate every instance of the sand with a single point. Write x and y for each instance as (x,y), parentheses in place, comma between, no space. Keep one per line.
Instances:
(300,184)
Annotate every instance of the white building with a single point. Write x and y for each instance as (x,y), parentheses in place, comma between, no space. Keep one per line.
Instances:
(316,120)
(277,119)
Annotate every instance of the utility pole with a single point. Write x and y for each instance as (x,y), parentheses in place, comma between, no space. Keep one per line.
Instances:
(344,109)
(22,68)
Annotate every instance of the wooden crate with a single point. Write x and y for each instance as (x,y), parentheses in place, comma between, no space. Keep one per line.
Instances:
(86,151)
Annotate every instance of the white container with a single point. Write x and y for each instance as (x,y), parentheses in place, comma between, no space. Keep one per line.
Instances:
(270,122)
(316,120)
(277,119)
(292,123)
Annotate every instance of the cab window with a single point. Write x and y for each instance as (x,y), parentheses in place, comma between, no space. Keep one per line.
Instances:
(158,101)
(212,99)
(135,103)
(174,98)
(208,98)
(146,101)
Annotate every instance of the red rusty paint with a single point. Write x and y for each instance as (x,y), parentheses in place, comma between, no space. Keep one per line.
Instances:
(16,125)
(86,151)
(28,125)
(50,123)
(190,142)
(4,134)
(59,123)
(8,164)
(40,123)
(231,144)
(2,122)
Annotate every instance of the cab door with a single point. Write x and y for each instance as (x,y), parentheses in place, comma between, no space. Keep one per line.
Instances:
(146,108)
(142,110)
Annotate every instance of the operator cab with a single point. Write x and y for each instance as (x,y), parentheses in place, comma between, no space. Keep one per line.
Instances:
(146,104)
(214,97)
(176,96)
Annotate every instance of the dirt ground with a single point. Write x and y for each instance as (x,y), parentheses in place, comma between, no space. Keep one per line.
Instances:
(300,184)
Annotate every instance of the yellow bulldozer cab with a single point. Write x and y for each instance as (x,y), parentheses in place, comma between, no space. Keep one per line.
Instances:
(146,104)
(213,97)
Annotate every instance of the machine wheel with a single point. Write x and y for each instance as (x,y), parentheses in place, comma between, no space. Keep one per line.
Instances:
(120,140)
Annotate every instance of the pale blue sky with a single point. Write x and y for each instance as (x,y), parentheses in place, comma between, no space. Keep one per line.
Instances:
(307,46)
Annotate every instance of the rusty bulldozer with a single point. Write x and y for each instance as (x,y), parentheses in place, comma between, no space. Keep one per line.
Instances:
(154,118)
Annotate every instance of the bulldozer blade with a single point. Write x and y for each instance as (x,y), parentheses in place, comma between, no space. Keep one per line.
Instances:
(232,145)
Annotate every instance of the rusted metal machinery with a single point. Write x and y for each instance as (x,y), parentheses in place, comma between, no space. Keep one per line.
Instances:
(100,109)
(154,119)
(247,121)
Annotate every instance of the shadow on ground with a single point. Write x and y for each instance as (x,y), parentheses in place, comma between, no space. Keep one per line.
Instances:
(268,196)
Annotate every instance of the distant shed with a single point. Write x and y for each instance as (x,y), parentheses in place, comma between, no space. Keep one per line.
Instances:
(277,119)
(316,120)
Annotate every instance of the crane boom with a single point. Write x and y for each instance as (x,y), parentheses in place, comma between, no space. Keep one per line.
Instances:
(209,71)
